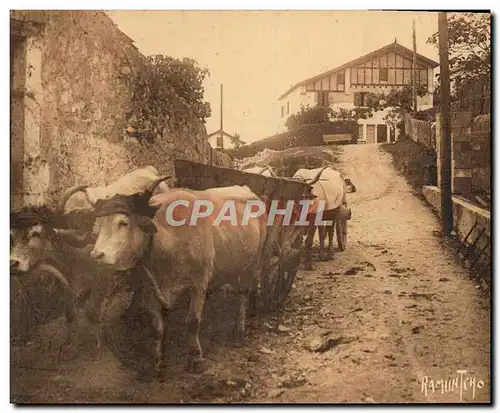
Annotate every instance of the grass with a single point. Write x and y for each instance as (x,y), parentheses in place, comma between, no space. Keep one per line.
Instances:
(414,161)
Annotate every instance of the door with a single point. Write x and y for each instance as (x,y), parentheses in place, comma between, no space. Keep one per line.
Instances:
(381,133)
(392,134)
(360,133)
(370,133)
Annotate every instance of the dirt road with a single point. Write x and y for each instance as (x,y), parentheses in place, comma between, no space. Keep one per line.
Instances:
(385,321)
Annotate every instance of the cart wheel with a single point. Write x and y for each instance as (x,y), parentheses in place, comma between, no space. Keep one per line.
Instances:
(287,277)
(341,230)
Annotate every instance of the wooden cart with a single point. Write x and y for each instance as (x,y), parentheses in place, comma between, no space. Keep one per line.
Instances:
(283,246)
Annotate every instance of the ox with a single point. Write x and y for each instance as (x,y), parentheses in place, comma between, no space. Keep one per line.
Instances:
(328,186)
(38,245)
(132,231)
(41,241)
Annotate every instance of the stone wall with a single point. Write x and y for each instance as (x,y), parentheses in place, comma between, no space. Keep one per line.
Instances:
(79,92)
(471,224)
(471,154)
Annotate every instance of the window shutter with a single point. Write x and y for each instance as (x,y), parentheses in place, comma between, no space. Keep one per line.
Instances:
(357,98)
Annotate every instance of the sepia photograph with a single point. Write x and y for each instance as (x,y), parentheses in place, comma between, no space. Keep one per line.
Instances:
(279,207)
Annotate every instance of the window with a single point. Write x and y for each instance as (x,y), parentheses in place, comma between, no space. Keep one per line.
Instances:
(341,78)
(323,98)
(384,74)
(287,108)
(360,98)
(325,84)
(399,76)
(407,76)
(423,77)
(282,111)
(361,76)
(368,76)
(354,76)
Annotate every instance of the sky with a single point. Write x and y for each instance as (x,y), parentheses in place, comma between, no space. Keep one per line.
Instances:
(258,55)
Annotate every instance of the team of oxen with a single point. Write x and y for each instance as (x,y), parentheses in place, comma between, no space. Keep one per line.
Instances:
(97,237)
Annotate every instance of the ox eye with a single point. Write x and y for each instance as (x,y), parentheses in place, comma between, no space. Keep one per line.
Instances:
(122,224)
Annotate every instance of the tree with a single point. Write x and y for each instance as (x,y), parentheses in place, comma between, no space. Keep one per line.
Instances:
(186,77)
(163,93)
(308,115)
(469,36)
(341,114)
(236,141)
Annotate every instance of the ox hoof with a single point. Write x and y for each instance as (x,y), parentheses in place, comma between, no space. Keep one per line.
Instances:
(329,257)
(322,257)
(240,340)
(196,365)
(69,352)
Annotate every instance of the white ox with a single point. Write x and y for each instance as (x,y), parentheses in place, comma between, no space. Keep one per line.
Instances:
(328,187)
(197,258)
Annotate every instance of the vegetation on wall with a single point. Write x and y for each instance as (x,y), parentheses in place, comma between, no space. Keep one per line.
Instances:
(161,92)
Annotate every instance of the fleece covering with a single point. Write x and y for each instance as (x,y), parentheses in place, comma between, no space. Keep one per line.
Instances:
(329,188)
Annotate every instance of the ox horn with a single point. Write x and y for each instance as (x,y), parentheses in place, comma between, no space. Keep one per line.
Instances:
(69,192)
(316,178)
(157,182)
(268,168)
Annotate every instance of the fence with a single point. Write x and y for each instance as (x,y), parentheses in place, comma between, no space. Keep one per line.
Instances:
(474,97)
(420,131)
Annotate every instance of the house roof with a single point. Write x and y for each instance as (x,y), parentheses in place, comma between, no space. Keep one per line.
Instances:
(393,47)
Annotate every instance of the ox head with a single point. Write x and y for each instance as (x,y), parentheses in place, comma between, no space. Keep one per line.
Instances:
(34,228)
(312,181)
(29,235)
(124,226)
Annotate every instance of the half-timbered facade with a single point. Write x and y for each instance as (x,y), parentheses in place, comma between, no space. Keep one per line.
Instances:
(348,86)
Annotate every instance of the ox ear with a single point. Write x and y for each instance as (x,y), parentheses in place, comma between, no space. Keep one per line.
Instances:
(146,224)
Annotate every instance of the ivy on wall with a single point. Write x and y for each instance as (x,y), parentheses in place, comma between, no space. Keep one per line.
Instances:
(166,94)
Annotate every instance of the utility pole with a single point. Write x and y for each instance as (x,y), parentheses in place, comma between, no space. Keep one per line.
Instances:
(414,69)
(221,142)
(445,147)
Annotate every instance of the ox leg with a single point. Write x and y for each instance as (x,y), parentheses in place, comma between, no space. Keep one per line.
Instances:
(72,335)
(253,302)
(329,254)
(322,235)
(196,306)
(308,247)
(239,330)
(94,307)
(158,319)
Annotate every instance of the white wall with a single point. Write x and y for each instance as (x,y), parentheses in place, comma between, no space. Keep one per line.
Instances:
(294,100)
